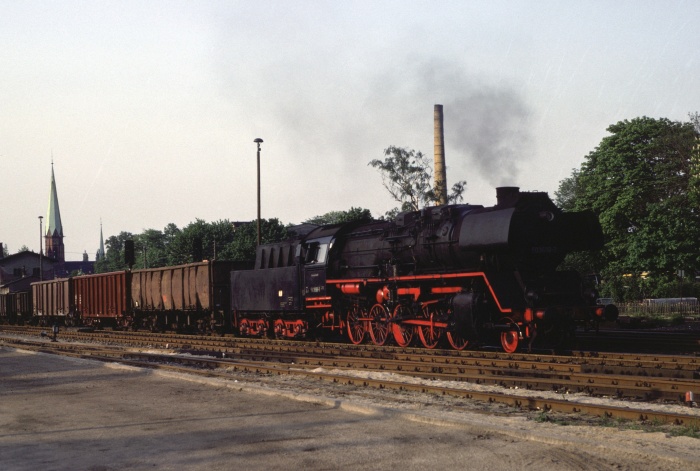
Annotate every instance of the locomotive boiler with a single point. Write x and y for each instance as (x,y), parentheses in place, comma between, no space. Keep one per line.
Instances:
(456,273)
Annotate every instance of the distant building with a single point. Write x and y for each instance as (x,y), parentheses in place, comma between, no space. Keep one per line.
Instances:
(22,284)
(26,264)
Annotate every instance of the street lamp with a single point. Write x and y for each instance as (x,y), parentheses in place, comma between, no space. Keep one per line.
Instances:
(41,250)
(258,141)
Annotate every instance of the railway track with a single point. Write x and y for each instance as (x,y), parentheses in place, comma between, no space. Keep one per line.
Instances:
(518,380)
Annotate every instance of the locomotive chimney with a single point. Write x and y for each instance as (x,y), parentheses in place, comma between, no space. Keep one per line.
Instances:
(507,196)
(439,159)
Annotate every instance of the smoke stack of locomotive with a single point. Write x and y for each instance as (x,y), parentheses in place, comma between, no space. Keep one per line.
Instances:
(439,158)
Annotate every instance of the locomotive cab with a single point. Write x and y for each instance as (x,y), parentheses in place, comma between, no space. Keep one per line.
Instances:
(315,261)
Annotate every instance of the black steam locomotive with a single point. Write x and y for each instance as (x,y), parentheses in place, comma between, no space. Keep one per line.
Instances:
(456,273)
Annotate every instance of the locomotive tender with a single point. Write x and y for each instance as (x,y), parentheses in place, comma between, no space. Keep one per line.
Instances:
(464,273)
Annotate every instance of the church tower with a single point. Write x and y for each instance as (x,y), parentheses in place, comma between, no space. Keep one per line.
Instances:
(53,237)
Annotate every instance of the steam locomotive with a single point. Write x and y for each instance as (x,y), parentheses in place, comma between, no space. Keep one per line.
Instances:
(454,275)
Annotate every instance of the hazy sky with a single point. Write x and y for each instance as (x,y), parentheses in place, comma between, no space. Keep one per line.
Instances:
(149,109)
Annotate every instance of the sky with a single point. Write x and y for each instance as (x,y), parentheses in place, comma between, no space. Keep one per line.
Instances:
(148,110)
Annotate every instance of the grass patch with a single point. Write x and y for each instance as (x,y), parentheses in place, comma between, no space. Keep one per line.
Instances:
(655,426)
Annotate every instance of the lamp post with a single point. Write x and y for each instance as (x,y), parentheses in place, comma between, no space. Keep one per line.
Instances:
(41,249)
(258,141)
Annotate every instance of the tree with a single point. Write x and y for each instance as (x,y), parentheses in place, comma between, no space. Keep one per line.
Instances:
(193,244)
(408,177)
(197,241)
(151,247)
(245,243)
(695,163)
(640,181)
(569,191)
(114,253)
(338,217)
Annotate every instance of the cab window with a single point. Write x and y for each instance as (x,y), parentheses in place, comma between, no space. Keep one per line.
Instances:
(316,253)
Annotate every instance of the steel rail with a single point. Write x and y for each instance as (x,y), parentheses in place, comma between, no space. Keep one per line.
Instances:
(264,367)
(610,364)
(516,401)
(675,362)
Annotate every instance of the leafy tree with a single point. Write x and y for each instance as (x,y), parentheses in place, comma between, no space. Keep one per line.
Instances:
(641,182)
(694,185)
(569,191)
(221,234)
(337,217)
(171,232)
(114,253)
(197,241)
(24,248)
(191,244)
(151,247)
(245,243)
(408,177)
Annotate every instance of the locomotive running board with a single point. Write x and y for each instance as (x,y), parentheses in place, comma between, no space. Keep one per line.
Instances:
(446,276)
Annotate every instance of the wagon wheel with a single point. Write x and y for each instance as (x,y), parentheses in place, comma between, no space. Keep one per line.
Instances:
(280,329)
(355,327)
(402,334)
(429,334)
(263,327)
(510,339)
(379,324)
(457,341)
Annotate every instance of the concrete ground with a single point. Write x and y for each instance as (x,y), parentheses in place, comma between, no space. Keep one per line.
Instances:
(65,414)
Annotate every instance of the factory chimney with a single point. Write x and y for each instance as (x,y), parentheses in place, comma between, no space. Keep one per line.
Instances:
(439,159)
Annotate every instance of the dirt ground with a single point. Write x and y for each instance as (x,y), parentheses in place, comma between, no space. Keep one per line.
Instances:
(58,413)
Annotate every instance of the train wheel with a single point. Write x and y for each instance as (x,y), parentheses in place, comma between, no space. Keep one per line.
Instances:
(355,326)
(263,327)
(510,340)
(429,334)
(379,324)
(457,341)
(402,334)
(280,329)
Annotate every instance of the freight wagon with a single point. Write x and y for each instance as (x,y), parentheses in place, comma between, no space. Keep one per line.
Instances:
(52,301)
(190,297)
(16,307)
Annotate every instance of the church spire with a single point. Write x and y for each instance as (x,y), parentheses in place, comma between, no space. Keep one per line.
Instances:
(101,251)
(53,236)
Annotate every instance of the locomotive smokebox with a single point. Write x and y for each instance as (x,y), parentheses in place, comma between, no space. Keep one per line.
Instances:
(507,196)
